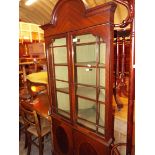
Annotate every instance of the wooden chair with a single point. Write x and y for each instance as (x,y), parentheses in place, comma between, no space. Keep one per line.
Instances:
(23,98)
(37,128)
(22,129)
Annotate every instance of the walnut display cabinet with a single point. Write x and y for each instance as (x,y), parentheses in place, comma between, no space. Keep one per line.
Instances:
(79,48)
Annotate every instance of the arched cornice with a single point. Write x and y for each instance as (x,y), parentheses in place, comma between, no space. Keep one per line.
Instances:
(59,6)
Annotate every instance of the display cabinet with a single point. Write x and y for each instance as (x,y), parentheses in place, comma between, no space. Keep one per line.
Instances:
(79,48)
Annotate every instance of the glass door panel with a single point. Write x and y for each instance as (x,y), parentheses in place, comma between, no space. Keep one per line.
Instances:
(102,95)
(85,54)
(102,52)
(102,77)
(62,86)
(63,104)
(86,38)
(89,57)
(101,118)
(85,50)
(59,42)
(101,85)
(86,113)
(60,56)
(86,92)
(86,75)
(61,72)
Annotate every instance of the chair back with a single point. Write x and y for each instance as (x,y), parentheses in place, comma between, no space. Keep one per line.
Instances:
(30,118)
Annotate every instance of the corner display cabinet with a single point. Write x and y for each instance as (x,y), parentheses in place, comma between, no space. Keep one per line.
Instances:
(79,48)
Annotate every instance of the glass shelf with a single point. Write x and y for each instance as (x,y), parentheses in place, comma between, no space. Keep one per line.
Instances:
(64,90)
(61,64)
(64,113)
(87,115)
(90,64)
(86,93)
(63,102)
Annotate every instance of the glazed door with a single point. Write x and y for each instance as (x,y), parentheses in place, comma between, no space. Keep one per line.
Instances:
(61,97)
(61,80)
(89,83)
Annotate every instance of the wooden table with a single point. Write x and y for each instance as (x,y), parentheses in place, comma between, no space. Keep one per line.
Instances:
(38,77)
(41,103)
(41,106)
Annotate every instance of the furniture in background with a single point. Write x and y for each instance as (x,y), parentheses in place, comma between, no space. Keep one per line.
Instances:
(36,49)
(36,126)
(33,64)
(40,104)
(80,69)
(28,66)
(37,83)
(23,70)
(122,43)
(22,127)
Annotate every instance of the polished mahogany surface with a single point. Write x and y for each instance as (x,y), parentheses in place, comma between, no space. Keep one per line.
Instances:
(69,21)
(41,105)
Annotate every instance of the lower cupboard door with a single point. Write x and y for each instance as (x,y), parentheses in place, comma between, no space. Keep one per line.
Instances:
(85,145)
(62,138)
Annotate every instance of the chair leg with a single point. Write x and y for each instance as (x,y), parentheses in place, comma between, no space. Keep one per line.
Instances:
(43,142)
(40,146)
(29,143)
(19,131)
(26,140)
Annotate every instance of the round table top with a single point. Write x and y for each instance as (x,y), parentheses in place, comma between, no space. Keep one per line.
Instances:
(26,63)
(39,77)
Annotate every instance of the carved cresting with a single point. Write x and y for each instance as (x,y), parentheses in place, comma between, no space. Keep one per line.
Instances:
(131,96)
(120,88)
(74,17)
(129,18)
(120,84)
